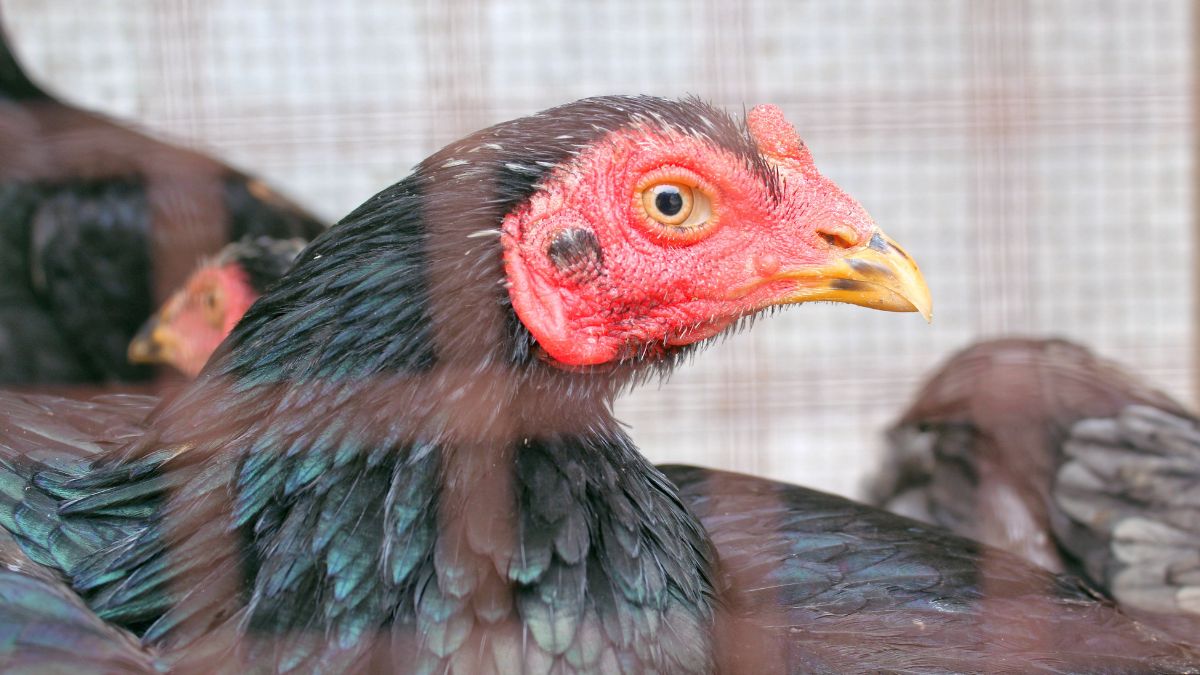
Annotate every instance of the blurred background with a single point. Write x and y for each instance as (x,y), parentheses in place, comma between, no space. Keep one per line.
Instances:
(1035,156)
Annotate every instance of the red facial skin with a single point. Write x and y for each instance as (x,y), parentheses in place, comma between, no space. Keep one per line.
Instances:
(194,321)
(655,287)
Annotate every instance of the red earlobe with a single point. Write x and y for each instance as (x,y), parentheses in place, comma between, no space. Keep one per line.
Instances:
(776,137)
(539,305)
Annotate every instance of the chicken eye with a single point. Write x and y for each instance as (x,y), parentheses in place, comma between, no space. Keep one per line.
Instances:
(668,203)
(211,302)
(679,211)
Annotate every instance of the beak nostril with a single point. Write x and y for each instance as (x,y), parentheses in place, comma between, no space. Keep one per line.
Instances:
(838,236)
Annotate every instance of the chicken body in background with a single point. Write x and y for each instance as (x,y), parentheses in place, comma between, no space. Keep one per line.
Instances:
(1048,451)
(190,326)
(404,457)
(98,223)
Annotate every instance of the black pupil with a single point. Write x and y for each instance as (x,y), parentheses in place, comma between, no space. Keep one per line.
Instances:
(668,201)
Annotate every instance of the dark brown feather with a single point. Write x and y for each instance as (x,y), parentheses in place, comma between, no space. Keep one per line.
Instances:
(1050,452)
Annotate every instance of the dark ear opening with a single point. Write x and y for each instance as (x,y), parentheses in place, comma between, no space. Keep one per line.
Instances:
(576,252)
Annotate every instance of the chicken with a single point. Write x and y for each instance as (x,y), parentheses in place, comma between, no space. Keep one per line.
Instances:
(198,316)
(97,222)
(404,457)
(1046,450)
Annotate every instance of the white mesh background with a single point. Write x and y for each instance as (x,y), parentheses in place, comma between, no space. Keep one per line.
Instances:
(1033,155)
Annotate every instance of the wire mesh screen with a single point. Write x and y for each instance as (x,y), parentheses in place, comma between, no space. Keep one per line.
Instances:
(1034,156)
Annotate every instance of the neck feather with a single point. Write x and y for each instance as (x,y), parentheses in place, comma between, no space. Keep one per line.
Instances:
(565,548)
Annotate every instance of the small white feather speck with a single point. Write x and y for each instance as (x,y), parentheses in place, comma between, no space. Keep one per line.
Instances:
(484,233)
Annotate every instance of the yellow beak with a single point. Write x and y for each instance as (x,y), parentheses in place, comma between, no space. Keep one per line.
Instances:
(152,344)
(879,275)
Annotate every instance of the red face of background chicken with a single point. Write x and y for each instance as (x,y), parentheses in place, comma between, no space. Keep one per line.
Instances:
(653,240)
(192,323)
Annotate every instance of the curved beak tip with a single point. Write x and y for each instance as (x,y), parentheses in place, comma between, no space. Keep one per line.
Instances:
(140,352)
(884,263)
(920,298)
